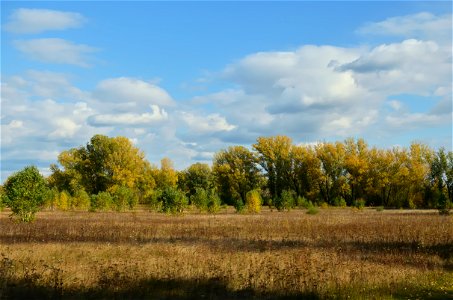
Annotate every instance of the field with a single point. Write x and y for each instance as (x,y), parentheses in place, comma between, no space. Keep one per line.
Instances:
(337,253)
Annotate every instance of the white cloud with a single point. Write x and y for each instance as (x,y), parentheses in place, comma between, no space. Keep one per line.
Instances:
(27,20)
(199,124)
(129,119)
(56,50)
(421,25)
(132,90)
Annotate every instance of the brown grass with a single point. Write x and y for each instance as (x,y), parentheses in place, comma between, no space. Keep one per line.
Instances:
(338,253)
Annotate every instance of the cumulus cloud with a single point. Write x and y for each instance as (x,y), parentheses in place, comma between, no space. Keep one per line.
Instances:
(56,50)
(133,91)
(129,119)
(206,124)
(30,21)
(421,25)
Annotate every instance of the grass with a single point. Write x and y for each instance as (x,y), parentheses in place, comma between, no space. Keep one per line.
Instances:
(335,254)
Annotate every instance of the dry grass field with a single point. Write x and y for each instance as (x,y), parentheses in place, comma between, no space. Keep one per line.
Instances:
(336,254)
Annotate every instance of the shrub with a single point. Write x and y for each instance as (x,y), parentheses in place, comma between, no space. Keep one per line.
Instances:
(51,198)
(443,205)
(303,202)
(2,201)
(339,202)
(253,201)
(380,208)
(200,199)
(214,202)
(324,205)
(173,200)
(81,200)
(359,203)
(238,204)
(124,198)
(312,210)
(101,201)
(63,201)
(285,201)
(25,193)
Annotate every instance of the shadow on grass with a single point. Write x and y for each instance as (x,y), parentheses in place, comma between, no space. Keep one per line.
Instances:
(144,289)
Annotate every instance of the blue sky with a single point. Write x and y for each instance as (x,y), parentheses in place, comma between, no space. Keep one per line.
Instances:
(186,79)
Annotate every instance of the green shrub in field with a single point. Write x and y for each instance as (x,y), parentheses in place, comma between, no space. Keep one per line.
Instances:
(324,205)
(238,204)
(303,202)
(101,201)
(339,202)
(214,202)
(51,198)
(253,201)
(81,200)
(380,208)
(25,193)
(312,210)
(2,201)
(124,198)
(285,201)
(200,199)
(359,203)
(173,200)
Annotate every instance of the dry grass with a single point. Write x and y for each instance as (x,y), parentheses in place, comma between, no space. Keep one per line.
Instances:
(338,253)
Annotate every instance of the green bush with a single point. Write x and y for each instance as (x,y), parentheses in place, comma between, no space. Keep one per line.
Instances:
(173,200)
(2,201)
(359,203)
(101,201)
(124,198)
(303,202)
(253,201)
(238,205)
(285,201)
(81,200)
(214,202)
(200,199)
(339,202)
(312,210)
(380,208)
(25,193)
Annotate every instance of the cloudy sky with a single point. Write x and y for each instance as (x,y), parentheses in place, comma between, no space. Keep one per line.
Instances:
(186,79)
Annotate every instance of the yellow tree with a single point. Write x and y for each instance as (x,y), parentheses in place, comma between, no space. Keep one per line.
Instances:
(307,171)
(332,183)
(167,176)
(356,164)
(274,156)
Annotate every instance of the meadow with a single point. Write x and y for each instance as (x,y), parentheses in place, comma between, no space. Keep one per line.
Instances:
(335,254)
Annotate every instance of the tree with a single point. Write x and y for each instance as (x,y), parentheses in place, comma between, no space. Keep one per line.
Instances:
(173,200)
(196,176)
(333,182)
(275,158)
(25,193)
(253,201)
(236,173)
(167,176)
(441,177)
(105,164)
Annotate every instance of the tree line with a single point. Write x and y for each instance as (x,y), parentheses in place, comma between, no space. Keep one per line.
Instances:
(111,173)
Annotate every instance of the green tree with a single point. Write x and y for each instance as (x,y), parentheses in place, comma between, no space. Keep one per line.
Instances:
(236,172)
(196,176)
(441,177)
(25,193)
(173,200)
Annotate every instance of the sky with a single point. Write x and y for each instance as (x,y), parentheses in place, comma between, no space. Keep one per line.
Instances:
(186,79)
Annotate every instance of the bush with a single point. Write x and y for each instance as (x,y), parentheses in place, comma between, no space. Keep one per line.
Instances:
(173,200)
(380,208)
(312,210)
(324,205)
(124,198)
(339,202)
(285,201)
(25,193)
(238,204)
(443,205)
(63,201)
(253,201)
(214,202)
(303,202)
(2,201)
(101,201)
(200,199)
(81,200)
(359,203)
